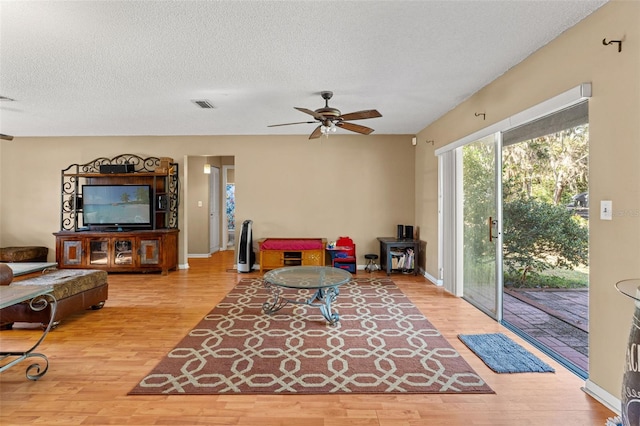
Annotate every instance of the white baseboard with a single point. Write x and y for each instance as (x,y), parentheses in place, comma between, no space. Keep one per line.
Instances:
(183,266)
(602,396)
(433,279)
(199,255)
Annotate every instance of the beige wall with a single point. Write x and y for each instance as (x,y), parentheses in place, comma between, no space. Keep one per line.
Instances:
(198,191)
(575,57)
(360,186)
(231,178)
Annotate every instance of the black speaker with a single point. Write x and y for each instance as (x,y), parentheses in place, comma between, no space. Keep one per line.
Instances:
(400,232)
(408,232)
(116,168)
(76,202)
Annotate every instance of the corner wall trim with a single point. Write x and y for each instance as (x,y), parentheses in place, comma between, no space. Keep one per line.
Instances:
(433,279)
(602,396)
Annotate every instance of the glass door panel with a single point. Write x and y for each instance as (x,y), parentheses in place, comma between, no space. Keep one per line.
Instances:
(122,250)
(481,223)
(99,252)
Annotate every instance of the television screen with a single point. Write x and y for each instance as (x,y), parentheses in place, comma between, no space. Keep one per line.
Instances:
(116,205)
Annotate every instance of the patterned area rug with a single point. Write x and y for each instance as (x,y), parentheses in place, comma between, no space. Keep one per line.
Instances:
(382,344)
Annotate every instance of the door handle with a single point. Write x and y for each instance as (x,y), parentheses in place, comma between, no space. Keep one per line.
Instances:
(492,223)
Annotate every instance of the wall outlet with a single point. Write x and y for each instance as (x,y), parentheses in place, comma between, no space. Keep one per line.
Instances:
(606,210)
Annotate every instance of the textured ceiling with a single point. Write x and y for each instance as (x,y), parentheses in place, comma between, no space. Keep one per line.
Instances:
(132,68)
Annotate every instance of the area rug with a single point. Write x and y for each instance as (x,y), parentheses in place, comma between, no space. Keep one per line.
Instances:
(503,355)
(382,344)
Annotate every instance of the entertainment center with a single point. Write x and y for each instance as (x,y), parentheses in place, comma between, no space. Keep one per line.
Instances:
(119,215)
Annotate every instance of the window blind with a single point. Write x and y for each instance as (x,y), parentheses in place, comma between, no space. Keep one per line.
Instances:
(561,120)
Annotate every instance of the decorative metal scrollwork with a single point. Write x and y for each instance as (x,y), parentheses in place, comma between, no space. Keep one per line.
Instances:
(36,369)
(321,298)
(70,202)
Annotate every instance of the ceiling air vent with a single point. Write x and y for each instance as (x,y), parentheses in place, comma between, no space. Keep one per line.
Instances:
(203,103)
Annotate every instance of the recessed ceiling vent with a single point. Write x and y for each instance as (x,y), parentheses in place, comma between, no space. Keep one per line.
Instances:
(203,103)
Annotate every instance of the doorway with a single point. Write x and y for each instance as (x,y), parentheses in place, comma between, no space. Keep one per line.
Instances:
(214,210)
(204,200)
(229,219)
(546,268)
(483,250)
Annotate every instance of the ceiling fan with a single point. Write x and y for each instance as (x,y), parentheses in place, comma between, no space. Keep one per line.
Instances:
(331,118)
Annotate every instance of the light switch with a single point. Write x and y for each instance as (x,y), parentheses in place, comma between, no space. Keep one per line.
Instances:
(199,203)
(606,210)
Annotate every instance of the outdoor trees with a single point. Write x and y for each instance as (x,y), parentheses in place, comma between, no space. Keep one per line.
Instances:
(539,233)
(539,177)
(550,168)
(540,236)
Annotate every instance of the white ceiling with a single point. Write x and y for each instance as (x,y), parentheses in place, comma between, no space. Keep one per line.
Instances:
(133,67)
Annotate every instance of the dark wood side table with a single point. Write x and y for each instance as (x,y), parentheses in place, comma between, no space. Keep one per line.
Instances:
(387,246)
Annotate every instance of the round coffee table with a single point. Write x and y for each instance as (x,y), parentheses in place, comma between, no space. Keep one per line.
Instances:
(325,280)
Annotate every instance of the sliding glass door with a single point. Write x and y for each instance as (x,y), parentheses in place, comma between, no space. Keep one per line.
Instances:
(481,224)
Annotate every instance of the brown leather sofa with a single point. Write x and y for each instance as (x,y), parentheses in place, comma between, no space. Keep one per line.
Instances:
(74,289)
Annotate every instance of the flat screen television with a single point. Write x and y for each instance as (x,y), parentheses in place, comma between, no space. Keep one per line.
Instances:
(117,206)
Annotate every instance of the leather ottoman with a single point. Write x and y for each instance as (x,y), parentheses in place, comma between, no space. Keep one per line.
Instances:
(24,254)
(75,290)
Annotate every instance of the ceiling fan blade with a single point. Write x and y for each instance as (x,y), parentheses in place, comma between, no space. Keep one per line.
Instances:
(316,133)
(361,115)
(313,113)
(355,127)
(289,124)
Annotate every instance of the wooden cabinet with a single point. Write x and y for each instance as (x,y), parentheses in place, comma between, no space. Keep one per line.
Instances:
(313,257)
(272,259)
(281,252)
(135,251)
(111,245)
(399,255)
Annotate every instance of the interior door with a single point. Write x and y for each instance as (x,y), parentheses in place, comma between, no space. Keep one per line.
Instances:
(481,219)
(214,210)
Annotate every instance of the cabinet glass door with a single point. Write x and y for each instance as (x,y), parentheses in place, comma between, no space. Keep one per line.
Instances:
(123,254)
(99,252)
(149,252)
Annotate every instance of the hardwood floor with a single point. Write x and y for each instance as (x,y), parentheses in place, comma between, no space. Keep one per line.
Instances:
(96,357)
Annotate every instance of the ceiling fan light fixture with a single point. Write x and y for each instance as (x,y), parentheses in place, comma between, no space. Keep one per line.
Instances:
(329,128)
(328,119)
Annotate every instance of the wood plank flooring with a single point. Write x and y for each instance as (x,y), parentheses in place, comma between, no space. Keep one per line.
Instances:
(96,357)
